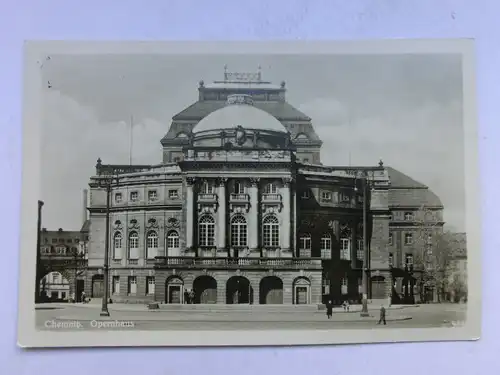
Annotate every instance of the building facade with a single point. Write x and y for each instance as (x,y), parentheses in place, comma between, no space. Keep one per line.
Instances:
(63,261)
(241,210)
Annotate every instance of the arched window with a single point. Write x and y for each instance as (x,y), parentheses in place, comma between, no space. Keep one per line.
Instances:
(117,246)
(238,187)
(206,231)
(152,245)
(270,189)
(326,246)
(173,244)
(302,136)
(271,231)
(305,245)
(238,231)
(133,245)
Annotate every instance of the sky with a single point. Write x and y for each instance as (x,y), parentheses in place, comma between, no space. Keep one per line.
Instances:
(403,109)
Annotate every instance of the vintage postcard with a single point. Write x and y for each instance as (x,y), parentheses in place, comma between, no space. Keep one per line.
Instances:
(225,194)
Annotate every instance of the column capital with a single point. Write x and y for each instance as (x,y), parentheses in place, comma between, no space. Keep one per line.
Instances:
(254,181)
(191,180)
(287,181)
(222,181)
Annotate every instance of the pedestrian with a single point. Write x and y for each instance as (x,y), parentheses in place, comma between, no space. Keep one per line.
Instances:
(329,309)
(191,296)
(84,297)
(347,305)
(186,297)
(382,315)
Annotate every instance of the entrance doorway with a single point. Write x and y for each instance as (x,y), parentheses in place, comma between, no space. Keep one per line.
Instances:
(378,287)
(271,290)
(80,286)
(205,289)
(301,291)
(239,290)
(174,290)
(97,286)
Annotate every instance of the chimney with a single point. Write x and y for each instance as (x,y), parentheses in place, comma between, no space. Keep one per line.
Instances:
(84,203)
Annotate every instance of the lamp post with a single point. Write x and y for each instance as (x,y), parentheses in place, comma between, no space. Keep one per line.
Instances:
(106,182)
(38,252)
(364,280)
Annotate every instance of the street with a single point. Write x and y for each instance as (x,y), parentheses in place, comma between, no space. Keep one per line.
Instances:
(62,317)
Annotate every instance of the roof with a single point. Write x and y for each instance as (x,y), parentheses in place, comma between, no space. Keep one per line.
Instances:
(400,180)
(281,110)
(244,115)
(85,226)
(407,192)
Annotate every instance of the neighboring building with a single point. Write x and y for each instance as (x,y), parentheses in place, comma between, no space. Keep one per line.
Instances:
(63,257)
(242,210)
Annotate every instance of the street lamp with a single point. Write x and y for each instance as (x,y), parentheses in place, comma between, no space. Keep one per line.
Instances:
(106,182)
(38,252)
(364,280)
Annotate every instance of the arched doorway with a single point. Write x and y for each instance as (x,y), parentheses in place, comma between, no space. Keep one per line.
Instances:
(54,287)
(378,287)
(205,289)
(238,290)
(97,286)
(301,291)
(174,290)
(271,290)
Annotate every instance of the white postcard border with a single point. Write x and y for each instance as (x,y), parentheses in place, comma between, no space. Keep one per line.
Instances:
(36,53)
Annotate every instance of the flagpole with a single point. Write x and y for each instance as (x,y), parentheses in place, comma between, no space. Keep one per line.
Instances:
(131,138)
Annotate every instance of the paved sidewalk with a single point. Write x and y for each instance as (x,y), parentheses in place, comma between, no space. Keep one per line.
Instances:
(241,309)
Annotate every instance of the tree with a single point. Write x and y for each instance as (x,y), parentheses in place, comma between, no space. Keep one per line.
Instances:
(432,253)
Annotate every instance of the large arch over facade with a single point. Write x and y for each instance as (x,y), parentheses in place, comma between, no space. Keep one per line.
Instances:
(174,290)
(205,289)
(55,286)
(271,290)
(301,291)
(239,290)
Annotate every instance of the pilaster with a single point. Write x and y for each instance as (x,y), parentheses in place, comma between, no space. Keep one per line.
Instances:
(221,213)
(189,211)
(286,215)
(253,238)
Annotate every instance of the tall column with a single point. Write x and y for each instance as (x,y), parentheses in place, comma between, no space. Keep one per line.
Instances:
(354,243)
(253,235)
(285,238)
(189,212)
(221,216)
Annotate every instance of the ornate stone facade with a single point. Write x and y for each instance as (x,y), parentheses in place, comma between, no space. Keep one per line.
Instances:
(238,218)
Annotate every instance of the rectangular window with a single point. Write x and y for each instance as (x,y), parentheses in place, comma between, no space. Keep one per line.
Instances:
(152,195)
(54,240)
(132,285)
(390,238)
(326,196)
(326,247)
(55,278)
(173,194)
(134,196)
(343,285)
(344,197)
(408,216)
(408,238)
(150,285)
(360,254)
(391,259)
(345,249)
(118,197)
(306,194)
(116,285)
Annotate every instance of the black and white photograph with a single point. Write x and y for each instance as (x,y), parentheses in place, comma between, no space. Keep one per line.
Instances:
(187,194)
